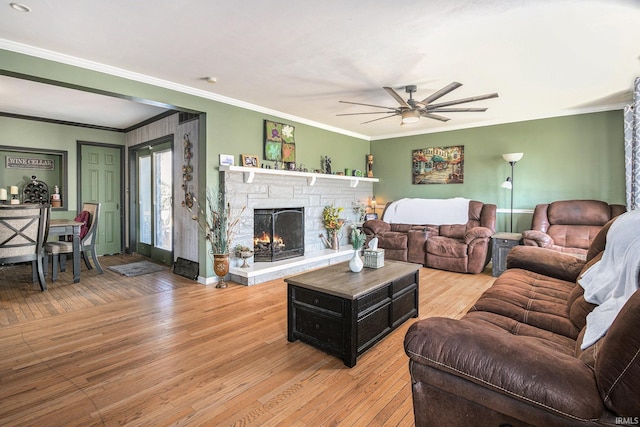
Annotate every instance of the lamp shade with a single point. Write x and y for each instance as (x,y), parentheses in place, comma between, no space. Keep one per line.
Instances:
(512,157)
(410,116)
(507,184)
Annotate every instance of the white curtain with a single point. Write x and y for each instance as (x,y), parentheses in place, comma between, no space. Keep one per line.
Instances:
(632,148)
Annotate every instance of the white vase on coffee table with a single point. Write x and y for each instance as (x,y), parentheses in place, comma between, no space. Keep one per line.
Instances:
(356,264)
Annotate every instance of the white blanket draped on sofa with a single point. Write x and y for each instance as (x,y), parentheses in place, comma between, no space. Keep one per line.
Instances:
(611,281)
(428,211)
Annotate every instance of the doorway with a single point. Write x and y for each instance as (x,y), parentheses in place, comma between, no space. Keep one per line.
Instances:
(100,177)
(151,182)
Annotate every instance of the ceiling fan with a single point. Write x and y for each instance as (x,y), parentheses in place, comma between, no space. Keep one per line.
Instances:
(411,110)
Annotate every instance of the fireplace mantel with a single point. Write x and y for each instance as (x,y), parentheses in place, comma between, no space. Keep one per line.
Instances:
(250,173)
(257,188)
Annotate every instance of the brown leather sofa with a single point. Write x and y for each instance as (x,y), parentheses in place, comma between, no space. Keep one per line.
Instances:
(515,358)
(569,225)
(462,248)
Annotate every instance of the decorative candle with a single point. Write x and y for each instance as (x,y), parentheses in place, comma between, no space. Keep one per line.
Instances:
(3,194)
(14,189)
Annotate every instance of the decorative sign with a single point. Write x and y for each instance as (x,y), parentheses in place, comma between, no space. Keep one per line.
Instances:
(438,165)
(27,163)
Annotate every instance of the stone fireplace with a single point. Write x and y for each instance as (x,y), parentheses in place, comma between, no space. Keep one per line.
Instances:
(278,234)
(251,189)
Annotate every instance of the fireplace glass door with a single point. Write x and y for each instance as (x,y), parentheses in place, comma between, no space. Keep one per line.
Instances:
(278,234)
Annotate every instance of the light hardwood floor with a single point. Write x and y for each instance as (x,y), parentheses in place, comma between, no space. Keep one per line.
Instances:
(160,349)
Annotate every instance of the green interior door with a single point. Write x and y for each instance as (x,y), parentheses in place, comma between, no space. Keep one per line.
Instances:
(154,222)
(101,182)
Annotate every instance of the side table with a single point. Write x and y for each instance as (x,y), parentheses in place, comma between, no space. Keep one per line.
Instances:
(501,244)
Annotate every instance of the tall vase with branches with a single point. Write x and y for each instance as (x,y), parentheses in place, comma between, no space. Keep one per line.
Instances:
(218,223)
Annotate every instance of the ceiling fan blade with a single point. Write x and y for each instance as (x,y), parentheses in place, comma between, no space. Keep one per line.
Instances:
(385,117)
(368,112)
(442,92)
(463,100)
(397,97)
(429,109)
(367,105)
(435,117)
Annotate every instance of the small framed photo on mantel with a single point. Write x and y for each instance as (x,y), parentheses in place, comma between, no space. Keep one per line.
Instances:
(226,160)
(250,161)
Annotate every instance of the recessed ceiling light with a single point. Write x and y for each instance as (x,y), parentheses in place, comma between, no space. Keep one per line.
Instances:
(20,7)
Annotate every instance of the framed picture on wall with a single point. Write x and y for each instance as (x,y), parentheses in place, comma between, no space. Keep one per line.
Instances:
(279,142)
(438,165)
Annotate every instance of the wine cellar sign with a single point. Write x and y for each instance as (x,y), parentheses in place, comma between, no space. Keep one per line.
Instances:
(30,163)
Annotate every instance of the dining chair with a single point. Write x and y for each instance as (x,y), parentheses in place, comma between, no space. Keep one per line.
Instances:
(23,230)
(58,250)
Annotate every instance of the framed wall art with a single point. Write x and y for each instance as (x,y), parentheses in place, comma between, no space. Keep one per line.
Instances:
(279,142)
(250,161)
(226,160)
(438,165)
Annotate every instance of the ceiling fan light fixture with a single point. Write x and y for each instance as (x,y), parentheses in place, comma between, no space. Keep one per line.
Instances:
(410,116)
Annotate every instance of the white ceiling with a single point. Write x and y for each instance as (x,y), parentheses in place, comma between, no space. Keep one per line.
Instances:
(298,58)
(29,98)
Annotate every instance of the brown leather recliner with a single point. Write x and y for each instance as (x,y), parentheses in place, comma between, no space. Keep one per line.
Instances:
(569,225)
(462,248)
(515,358)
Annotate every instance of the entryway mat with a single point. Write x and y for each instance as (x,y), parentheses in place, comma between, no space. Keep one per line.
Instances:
(138,268)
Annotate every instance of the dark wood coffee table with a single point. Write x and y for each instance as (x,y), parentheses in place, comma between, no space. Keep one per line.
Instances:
(346,313)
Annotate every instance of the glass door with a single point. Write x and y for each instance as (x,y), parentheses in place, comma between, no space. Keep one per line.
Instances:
(155,202)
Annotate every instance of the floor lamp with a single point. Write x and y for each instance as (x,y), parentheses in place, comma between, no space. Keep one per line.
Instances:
(512,158)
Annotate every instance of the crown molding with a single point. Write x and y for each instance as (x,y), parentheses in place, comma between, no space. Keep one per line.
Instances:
(562,113)
(166,84)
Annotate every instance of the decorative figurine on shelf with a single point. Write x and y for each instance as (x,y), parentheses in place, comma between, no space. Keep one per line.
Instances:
(369,165)
(327,165)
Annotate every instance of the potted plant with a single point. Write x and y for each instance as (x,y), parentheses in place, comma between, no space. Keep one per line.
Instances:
(333,224)
(218,224)
(357,241)
(243,252)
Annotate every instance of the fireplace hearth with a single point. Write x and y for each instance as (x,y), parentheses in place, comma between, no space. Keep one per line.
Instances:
(278,234)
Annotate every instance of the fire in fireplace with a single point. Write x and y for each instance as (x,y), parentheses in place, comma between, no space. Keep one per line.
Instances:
(278,234)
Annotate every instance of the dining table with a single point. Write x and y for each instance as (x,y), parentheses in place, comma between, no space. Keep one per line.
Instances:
(69,227)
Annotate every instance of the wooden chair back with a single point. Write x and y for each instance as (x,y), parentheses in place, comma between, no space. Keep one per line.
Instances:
(23,229)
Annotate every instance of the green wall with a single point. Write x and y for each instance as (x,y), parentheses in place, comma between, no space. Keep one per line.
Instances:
(571,157)
(578,156)
(228,130)
(34,134)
